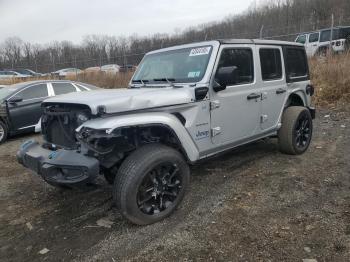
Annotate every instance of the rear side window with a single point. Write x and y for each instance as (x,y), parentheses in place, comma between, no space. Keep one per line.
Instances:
(296,64)
(63,88)
(36,91)
(242,58)
(314,37)
(271,64)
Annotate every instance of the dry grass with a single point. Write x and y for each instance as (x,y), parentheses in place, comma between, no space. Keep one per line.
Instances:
(331,78)
(103,80)
(99,79)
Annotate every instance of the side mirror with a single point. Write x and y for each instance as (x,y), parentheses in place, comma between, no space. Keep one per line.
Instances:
(225,76)
(15,100)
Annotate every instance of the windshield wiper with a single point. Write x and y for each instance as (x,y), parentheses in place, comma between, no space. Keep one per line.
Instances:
(170,81)
(141,81)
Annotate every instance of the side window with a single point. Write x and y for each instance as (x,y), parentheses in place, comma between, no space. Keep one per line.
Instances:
(271,64)
(296,64)
(37,91)
(301,39)
(63,88)
(314,37)
(325,36)
(242,58)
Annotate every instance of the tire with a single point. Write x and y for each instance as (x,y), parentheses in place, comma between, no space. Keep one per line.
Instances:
(142,176)
(3,132)
(295,135)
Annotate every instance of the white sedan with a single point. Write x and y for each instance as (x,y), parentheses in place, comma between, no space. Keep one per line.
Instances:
(11,74)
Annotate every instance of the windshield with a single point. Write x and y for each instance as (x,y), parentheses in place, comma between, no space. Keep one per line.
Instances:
(182,66)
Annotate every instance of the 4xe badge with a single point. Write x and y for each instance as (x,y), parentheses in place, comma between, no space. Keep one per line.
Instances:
(202,134)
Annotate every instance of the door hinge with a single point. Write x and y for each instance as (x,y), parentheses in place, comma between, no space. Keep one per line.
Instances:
(214,104)
(263,95)
(215,131)
(263,118)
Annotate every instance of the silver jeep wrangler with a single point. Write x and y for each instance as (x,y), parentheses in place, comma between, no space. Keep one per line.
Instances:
(184,104)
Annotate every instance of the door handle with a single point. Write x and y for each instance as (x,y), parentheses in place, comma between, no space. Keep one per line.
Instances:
(280,91)
(253,96)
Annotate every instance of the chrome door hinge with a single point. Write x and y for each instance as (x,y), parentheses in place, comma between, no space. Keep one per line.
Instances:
(214,104)
(215,131)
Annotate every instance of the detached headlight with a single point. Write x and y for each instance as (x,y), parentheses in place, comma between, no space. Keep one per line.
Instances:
(81,118)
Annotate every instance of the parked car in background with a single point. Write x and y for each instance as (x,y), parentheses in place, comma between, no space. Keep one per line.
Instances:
(111,69)
(27,72)
(67,72)
(319,42)
(20,104)
(94,69)
(11,74)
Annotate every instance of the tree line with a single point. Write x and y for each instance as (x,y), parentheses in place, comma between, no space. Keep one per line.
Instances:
(282,18)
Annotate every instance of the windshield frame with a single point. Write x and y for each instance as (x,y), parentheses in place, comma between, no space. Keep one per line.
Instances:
(207,72)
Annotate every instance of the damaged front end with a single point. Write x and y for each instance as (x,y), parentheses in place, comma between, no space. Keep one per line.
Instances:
(71,157)
(60,160)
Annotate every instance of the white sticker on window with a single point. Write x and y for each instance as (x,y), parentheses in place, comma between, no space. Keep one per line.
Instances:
(200,51)
(194,74)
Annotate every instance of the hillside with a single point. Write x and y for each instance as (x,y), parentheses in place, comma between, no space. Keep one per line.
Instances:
(279,19)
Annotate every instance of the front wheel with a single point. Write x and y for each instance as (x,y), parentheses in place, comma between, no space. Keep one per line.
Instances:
(150,184)
(295,135)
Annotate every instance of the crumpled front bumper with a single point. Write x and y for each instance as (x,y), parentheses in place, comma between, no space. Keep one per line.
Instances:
(62,167)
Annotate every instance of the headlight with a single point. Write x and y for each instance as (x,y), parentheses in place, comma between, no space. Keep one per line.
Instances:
(81,118)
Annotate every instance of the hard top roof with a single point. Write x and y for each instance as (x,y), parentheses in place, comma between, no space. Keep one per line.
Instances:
(258,42)
(228,41)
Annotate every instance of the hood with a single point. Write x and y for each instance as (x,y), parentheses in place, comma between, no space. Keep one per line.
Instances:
(121,100)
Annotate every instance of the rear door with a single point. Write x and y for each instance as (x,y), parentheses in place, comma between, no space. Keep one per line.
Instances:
(235,111)
(273,84)
(26,114)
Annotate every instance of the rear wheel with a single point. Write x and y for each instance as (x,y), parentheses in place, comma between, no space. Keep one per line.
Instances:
(3,132)
(150,184)
(295,135)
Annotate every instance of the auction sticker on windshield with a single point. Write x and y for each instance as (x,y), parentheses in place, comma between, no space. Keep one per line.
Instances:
(200,51)
(194,74)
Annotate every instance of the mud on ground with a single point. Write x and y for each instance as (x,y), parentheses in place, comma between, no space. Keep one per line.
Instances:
(251,204)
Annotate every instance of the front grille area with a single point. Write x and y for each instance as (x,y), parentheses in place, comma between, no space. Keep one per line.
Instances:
(60,121)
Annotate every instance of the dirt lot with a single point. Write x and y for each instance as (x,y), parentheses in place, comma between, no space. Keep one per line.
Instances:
(252,204)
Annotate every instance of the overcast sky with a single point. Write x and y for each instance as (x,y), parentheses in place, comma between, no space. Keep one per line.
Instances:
(43,21)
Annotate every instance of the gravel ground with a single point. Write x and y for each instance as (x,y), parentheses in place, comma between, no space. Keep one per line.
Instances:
(251,204)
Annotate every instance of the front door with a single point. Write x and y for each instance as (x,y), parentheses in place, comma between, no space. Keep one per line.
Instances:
(235,111)
(26,114)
